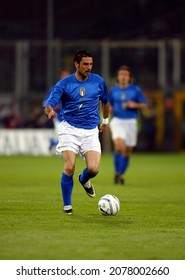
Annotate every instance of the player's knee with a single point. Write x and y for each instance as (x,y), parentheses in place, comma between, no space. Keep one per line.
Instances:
(69,168)
(93,170)
(127,153)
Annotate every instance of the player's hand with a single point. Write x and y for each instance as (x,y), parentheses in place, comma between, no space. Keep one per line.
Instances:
(103,127)
(52,114)
(131,104)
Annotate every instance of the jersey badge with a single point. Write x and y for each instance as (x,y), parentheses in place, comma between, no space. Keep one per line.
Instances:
(82,91)
(123,96)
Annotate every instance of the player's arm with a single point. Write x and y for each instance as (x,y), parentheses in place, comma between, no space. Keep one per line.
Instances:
(111,109)
(105,112)
(105,107)
(135,105)
(52,102)
(141,101)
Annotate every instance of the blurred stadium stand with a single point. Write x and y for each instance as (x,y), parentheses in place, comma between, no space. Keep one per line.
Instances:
(158,68)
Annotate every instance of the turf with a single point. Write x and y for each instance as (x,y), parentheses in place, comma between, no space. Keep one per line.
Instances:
(150,224)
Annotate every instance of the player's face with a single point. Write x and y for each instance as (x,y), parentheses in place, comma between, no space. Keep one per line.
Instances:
(123,77)
(84,67)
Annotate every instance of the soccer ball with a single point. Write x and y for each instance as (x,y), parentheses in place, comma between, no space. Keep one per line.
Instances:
(109,205)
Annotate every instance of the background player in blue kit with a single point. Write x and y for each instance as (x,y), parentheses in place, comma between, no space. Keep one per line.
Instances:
(125,100)
(80,94)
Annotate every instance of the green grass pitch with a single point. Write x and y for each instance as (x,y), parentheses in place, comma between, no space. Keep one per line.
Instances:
(150,224)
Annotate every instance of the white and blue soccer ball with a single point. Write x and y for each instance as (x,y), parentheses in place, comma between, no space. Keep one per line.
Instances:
(109,205)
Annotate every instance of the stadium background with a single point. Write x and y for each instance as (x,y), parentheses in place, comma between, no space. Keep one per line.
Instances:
(38,39)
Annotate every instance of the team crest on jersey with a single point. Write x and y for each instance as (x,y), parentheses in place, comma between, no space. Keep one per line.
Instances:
(123,96)
(82,91)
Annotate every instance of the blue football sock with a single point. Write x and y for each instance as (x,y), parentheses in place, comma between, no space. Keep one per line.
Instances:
(86,175)
(67,187)
(118,159)
(55,142)
(124,165)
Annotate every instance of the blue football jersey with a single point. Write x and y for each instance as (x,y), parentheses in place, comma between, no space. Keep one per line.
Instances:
(59,105)
(119,97)
(80,99)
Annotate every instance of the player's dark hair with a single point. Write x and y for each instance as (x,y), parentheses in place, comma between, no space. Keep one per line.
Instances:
(127,68)
(81,53)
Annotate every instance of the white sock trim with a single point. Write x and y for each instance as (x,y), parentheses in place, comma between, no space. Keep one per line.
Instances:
(67,207)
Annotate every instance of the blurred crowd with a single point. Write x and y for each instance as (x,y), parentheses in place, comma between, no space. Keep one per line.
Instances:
(11,117)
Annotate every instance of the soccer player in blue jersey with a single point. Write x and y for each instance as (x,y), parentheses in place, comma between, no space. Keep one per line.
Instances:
(125,101)
(80,94)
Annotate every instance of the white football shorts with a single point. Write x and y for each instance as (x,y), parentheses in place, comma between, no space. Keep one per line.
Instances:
(77,140)
(125,129)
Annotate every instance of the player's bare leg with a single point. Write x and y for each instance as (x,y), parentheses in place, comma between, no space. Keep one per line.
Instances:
(93,161)
(127,151)
(69,158)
